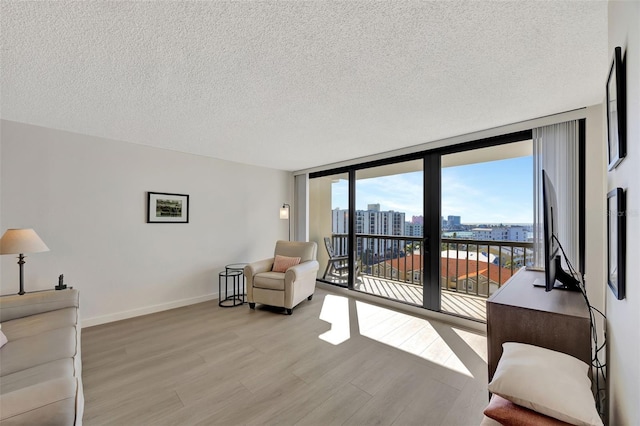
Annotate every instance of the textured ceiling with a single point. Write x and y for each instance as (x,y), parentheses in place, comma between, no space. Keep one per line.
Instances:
(291,85)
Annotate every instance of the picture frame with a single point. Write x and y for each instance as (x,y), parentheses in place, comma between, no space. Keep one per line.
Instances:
(616,242)
(616,110)
(165,207)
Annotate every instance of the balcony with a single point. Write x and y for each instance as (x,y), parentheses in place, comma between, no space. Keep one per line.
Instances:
(471,270)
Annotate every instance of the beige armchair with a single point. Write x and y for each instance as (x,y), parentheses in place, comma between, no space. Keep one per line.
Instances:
(283,289)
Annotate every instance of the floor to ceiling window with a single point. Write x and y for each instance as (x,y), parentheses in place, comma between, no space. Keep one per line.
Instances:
(486,221)
(441,229)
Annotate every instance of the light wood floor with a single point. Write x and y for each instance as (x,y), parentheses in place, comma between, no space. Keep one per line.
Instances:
(334,361)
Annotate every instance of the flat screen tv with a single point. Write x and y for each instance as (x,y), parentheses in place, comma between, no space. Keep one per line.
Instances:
(555,276)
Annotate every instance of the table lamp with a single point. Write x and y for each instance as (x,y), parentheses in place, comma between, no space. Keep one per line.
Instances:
(20,241)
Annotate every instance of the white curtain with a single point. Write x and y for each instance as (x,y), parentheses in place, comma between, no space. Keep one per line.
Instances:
(555,149)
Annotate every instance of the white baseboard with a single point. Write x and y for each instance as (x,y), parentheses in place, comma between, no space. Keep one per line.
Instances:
(117,316)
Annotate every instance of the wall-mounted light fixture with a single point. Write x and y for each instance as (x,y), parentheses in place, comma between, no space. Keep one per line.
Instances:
(284,214)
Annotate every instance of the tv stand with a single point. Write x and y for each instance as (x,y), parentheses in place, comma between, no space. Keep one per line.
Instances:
(564,280)
(520,312)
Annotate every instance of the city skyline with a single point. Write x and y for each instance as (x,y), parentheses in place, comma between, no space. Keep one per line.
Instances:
(492,192)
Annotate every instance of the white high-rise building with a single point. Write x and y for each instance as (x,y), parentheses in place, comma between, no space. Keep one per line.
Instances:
(372,222)
(501,233)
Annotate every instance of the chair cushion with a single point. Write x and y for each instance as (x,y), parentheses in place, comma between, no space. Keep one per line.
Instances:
(269,280)
(282,263)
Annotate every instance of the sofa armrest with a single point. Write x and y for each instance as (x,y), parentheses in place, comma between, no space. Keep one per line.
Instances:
(16,306)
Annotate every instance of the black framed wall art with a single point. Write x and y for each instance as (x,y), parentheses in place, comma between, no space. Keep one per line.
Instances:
(616,242)
(163,207)
(616,110)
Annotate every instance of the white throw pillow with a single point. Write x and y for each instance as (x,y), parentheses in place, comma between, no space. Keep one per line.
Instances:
(546,381)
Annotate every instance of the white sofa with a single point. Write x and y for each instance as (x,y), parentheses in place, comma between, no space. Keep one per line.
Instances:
(40,366)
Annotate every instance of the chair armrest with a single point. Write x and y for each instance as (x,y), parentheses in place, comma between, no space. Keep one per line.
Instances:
(301,270)
(16,306)
(253,268)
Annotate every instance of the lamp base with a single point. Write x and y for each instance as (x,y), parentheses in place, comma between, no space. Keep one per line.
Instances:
(21,264)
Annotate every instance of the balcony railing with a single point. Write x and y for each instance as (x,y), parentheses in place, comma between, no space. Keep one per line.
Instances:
(481,267)
(470,267)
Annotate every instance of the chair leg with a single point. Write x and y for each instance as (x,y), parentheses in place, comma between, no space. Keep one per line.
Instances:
(252,305)
(326,270)
(289,311)
(310,297)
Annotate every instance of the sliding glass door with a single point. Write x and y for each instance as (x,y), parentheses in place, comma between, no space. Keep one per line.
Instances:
(389,224)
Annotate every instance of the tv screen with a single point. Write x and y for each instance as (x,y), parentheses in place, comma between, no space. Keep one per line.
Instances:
(555,276)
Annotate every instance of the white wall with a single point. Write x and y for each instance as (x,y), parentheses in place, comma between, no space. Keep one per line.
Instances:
(86,198)
(595,226)
(623,316)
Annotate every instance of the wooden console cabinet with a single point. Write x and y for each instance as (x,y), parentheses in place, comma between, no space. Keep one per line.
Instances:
(520,312)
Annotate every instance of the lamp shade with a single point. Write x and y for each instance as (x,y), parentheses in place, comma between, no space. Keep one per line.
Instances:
(284,212)
(16,241)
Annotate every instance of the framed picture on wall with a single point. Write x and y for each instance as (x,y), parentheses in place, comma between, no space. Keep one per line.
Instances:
(163,207)
(616,242)
(616,110)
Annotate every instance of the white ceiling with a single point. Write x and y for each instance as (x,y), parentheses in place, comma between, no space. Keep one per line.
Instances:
(292,85)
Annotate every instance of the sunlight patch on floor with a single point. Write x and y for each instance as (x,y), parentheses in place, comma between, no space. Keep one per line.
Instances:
(401,331)
(335,311)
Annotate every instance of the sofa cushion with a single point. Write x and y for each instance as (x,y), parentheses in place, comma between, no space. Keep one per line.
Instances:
(39,349)
(269,280)
(38,374)
(14,306)
(50,402)
(36,324)
(507,413)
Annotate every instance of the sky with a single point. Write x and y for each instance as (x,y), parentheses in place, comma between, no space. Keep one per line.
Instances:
(491,192)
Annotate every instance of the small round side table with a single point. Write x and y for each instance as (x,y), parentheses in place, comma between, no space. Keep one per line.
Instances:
(234,297)
(239,267)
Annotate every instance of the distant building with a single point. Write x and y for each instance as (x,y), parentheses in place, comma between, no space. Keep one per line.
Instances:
(417,220)
(339,221)
(501,233)
(413,229)
(453,221)
(374,222)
